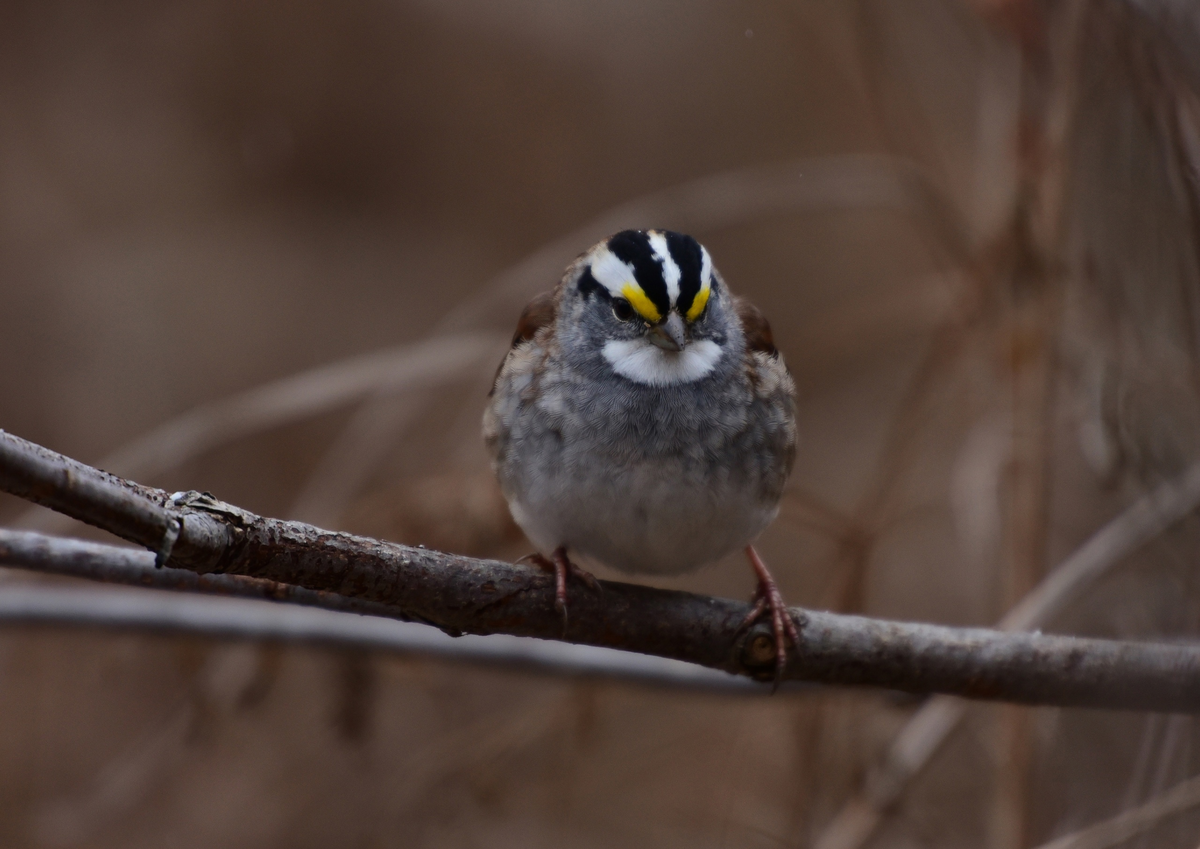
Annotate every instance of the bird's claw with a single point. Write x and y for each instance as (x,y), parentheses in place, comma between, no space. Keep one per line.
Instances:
(562,567)
(783,627)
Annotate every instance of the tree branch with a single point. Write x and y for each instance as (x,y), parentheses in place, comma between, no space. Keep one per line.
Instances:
(464,595)
(285,623)
(134,567)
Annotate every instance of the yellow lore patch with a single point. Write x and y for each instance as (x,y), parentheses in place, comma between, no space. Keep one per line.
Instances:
(638,300)
(698,303)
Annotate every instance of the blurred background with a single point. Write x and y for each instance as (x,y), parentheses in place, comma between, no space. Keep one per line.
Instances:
(974,226)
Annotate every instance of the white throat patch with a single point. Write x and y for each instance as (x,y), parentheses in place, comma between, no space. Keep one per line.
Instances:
(646,363)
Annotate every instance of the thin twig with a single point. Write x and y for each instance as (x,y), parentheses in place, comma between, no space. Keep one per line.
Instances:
(427,363)
(465,595)
(354,455)
(1115,831)
(924,734)
(716,201)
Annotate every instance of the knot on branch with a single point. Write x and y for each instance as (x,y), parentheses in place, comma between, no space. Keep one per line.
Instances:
(754,651)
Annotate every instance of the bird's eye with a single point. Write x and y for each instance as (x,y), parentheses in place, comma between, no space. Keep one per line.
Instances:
(622,309)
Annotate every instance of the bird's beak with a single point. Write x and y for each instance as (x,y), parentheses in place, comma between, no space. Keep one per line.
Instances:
(671,335)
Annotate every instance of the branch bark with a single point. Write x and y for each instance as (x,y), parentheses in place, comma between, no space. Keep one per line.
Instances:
(134,567)
(234,618)
(195,531)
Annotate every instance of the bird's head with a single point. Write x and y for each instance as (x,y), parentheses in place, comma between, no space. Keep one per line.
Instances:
(652,305)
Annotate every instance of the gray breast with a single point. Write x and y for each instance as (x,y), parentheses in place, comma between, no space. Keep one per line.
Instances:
(645,479)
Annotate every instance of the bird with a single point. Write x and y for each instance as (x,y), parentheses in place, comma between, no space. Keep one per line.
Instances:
(643,419)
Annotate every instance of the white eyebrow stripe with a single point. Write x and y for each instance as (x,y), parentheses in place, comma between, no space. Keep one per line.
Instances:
(670,268)
(705,268)
(609,271)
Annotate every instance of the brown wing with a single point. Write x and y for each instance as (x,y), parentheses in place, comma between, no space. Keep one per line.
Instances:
(755,327)
(770,377)
(537,314)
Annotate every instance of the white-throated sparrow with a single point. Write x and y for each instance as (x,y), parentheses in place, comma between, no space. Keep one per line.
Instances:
(644,419)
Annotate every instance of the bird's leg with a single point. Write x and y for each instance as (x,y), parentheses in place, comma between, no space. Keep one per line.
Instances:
(767,597)
(562,567)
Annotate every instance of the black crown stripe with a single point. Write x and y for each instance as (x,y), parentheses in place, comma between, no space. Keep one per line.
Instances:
(633,247)
(589,285)
(686,252)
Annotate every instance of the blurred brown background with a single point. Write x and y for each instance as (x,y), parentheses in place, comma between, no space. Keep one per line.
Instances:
(972,225)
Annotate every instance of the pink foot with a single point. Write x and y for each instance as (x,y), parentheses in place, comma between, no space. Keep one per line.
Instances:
(562,567)
(767,597)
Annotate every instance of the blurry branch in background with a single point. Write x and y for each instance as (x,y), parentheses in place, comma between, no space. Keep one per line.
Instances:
(1040,227)
(824,184)
(1127,824)
(428,363)
(878,505)
(464,595)
(931,726)
(348,462)
(1053,87)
